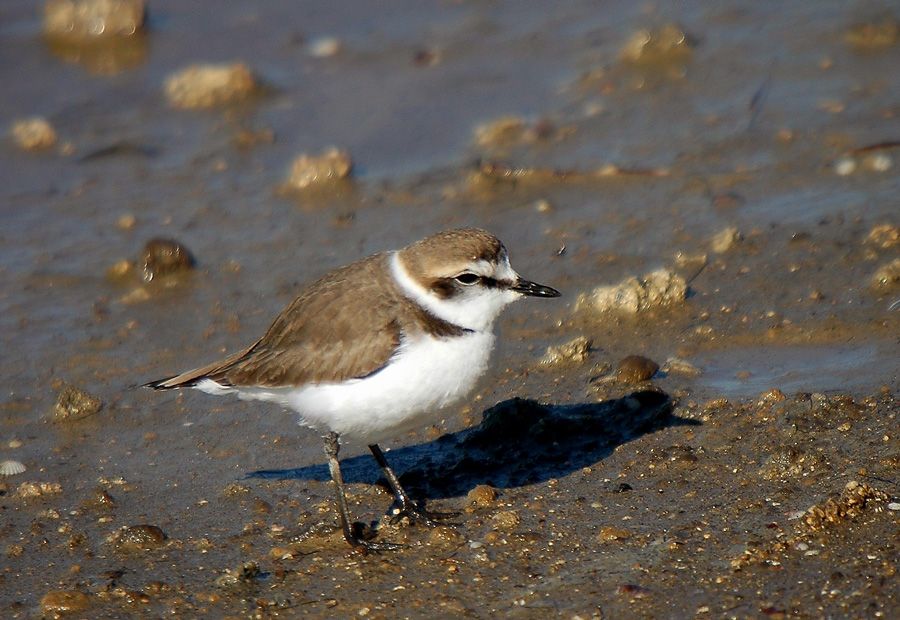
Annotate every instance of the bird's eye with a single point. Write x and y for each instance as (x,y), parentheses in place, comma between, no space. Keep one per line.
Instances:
(467,278)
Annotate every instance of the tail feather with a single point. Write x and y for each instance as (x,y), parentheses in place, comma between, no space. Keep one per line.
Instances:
(191,378)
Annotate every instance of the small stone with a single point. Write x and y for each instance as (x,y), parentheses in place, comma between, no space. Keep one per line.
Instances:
(610,532)
(29,490)
(482,496)
(887,276)
(725,240)
(658,288)
(126,222)
(678,366)
(875,35)
(663,45)
(574,351)
(209,85)
(636,369)
(772,396)
(504,130)
(246,573)
(163,257)
(845,166)
(61,602)
(120,270)
(878,162)
(894,506)
(73,403)
(100,500)
(317,170)
(505,520)
(325,47)
(884,236)
(445,537)
(93,19)
(33,134)
(135,538)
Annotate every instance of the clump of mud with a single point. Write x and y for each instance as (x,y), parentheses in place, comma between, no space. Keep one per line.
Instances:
(309,171)
(819,519)
(93,19)
(104,36)
(137,538)
(33,134)
(887,276)
(877,34)
(73,403)
(209,85)
(575,351)
(514,130)
(164,257)
(655,46)
(657,288)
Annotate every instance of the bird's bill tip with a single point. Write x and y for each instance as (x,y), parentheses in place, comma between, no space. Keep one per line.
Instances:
(533,289)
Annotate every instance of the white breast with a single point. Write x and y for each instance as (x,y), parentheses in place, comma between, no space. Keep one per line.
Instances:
(425,375)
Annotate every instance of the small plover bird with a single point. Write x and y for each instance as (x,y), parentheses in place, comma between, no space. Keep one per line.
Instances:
(377,348)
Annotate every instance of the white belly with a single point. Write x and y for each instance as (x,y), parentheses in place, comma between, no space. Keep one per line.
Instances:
(425,375)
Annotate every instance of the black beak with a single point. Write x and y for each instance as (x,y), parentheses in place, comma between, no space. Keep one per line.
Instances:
(533,289)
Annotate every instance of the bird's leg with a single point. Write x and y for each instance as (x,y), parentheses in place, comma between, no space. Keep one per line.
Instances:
(407,506)
(332,448)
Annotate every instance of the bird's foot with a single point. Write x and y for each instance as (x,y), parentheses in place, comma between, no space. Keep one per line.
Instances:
(360,538)
(418,514)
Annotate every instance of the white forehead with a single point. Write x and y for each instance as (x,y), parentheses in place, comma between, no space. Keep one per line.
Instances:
(501,270)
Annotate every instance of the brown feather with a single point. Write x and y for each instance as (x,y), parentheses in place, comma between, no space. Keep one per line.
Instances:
(347,324)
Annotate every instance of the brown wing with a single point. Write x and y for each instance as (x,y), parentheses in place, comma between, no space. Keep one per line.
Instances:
(339,328)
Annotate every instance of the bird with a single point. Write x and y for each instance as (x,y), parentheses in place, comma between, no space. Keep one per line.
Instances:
(377,348)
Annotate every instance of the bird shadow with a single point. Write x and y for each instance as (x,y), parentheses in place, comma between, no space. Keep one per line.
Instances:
(518,442)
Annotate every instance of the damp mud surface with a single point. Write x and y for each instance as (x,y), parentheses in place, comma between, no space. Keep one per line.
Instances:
(711,432)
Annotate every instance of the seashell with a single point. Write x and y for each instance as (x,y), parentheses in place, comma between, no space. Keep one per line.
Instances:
(11,468)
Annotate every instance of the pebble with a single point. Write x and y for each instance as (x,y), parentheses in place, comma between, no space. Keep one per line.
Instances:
(878,162)
(316,170)
(325,47)
(610,533)
(73,403)
(725,240)
(678,366)
(884,236)
(666,44)
(503,130)
(658,288)
(574,351)
(136,538)
(482,496)
(33,134)
(879,34)
(210,85)
(887,276)
(28,490)
(93,19)
(445,537)
(61,602)
(505,520)
(845,166)
(894,506)
(162,257)
(635,369)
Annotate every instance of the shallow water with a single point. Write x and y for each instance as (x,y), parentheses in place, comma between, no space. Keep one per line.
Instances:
(748,128)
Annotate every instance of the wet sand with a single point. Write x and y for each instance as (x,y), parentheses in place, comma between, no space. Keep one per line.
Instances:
(754,475)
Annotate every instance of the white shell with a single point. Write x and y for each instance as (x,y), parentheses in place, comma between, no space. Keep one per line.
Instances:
(11,468)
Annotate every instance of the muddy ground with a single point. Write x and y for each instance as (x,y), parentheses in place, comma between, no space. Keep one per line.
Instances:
(749,150)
